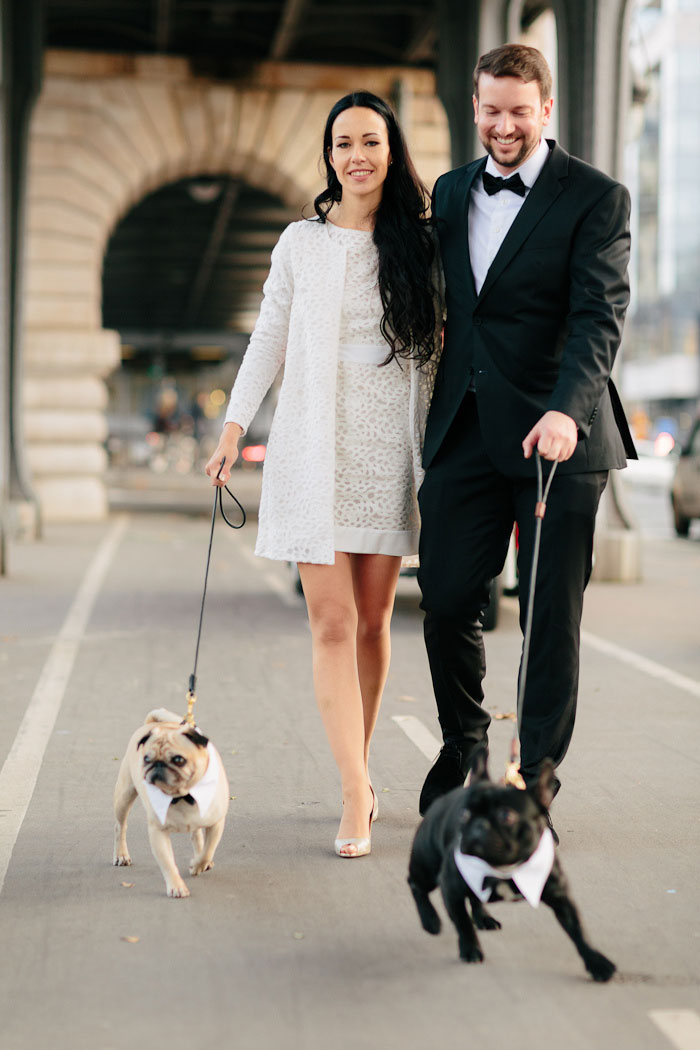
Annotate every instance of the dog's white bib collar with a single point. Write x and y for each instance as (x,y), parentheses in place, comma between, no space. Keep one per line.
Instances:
(529,877)
(203,792)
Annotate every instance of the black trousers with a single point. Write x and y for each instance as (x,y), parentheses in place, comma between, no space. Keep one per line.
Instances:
(468,509)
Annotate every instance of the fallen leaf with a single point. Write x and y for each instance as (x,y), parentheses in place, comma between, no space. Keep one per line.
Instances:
(385,791)
(407,699)
(128,884)
(298,936)
(233,797)
(501,716)
(130,940)
(233,752)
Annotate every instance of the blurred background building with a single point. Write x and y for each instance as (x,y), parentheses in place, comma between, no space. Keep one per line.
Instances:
(661,370)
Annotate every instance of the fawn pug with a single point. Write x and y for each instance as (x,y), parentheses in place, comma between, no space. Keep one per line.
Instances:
(180,778)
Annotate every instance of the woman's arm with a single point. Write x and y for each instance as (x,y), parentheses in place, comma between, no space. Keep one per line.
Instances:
(261,362)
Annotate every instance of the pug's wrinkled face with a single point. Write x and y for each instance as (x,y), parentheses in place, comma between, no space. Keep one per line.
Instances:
(174,757)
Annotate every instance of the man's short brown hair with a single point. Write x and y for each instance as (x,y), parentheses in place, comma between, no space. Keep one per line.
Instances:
(516,60)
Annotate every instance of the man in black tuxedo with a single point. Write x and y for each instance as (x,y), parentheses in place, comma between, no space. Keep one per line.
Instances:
(534,245)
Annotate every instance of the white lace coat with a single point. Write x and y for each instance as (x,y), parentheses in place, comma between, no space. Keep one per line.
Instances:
(299,324)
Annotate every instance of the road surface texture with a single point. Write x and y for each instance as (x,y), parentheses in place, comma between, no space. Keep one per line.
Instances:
(283,943)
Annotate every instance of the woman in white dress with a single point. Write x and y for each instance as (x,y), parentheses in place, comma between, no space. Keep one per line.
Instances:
(350,309)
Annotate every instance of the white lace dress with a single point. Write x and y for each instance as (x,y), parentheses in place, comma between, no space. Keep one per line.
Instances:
(375,507)
(299,328)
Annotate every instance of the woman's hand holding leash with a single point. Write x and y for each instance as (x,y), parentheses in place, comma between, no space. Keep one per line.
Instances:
(226,450)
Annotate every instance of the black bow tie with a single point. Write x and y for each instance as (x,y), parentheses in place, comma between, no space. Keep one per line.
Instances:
(183,798)
(492,184)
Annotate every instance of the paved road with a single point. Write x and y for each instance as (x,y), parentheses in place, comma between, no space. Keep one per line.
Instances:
(283,943)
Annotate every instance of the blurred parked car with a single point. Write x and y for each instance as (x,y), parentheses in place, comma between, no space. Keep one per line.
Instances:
(656,464)
(685,489)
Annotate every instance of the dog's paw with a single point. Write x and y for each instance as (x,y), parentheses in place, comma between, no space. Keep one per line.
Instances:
(199,866)
(431,922)
(471,953)
(121,860)
(486,922)
(178,890)
(599,967)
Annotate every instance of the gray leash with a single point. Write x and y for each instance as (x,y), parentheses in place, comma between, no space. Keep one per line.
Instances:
(513,775)
(218,496)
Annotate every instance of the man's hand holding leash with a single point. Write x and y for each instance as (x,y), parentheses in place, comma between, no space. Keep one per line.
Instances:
(554,436)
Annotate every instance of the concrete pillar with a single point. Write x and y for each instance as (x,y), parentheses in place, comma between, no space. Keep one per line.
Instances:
(459,40)
(594,80)
(21,31)
(64,409)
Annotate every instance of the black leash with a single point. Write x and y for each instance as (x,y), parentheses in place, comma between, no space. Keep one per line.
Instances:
(218,495)
(513,775)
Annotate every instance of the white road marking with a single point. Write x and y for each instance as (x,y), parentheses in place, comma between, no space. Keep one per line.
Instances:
(283,590)
(418,734)
(641,663)
(681,1027)
(20,772)
(627,656)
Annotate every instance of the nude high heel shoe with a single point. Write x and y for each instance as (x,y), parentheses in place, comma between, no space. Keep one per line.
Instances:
(375,807)
(360,847)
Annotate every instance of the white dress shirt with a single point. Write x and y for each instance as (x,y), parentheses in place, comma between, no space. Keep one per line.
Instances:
(490,218)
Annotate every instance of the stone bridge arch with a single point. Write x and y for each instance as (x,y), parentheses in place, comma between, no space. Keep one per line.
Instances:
(109,129)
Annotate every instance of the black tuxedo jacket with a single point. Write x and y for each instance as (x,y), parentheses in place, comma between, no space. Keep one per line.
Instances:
(543,332)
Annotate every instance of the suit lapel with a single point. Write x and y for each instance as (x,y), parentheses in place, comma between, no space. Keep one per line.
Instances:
(538,201)
(467,199)
(462,197)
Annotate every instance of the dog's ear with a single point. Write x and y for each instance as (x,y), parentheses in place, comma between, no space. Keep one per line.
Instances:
(143,740)
(197,738)
(544,787)
(479,765)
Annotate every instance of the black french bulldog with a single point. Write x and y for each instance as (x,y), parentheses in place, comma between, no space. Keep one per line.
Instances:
(490,826)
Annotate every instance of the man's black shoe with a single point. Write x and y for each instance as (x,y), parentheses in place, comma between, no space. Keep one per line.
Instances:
(448,771)
(551,827)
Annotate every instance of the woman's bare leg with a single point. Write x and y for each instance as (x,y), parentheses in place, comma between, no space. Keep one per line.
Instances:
(330,600)
(374,582)
(349,606)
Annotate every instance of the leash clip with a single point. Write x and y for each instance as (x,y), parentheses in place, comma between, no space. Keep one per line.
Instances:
(191,701)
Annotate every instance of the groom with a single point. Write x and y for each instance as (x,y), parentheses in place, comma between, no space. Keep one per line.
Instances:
(534,246)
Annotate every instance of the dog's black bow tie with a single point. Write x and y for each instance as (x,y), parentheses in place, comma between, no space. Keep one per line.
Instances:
(492,184)
(183,798)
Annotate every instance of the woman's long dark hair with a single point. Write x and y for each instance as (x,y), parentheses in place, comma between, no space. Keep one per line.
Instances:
(401,234)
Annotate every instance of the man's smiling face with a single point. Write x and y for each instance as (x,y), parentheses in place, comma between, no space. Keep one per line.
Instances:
(509,115)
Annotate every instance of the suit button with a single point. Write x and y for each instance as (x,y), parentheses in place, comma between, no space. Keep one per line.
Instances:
(477,320)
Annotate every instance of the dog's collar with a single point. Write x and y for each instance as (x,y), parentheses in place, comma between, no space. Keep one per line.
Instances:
(202,793)
(529,877)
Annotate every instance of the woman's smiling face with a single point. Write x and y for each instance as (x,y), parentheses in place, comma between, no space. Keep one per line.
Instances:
(359,152)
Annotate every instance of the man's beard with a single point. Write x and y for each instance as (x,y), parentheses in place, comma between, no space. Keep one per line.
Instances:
(526,150)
